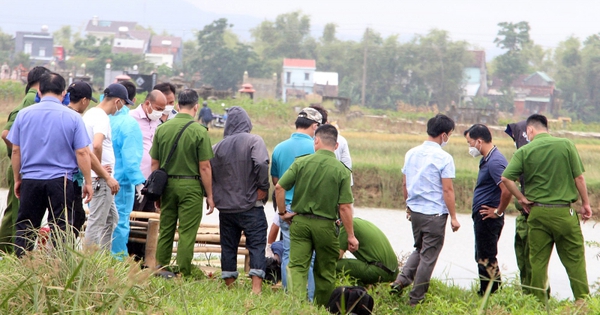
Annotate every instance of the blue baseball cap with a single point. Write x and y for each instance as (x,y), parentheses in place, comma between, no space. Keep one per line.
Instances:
(118,91)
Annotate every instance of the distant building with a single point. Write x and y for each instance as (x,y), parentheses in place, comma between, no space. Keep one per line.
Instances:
(104,28)
(165,50)
(534,94)
(326,83)
(297,78)
(475,76)
(38,45)
(131,41)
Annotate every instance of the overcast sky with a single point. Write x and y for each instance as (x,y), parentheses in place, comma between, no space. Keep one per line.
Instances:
(473,20)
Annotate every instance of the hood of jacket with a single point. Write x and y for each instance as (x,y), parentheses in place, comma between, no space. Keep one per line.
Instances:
(518,132)
(238,121)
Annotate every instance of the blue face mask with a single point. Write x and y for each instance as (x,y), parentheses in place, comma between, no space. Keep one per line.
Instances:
(66,100)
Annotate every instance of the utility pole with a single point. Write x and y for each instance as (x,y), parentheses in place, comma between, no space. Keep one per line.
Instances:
(364,78)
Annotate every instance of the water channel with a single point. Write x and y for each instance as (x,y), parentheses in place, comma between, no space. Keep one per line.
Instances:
(456,263)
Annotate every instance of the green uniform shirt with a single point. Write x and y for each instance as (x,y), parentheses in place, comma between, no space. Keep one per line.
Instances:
(194,146)
(28,100)
(375,246)
(549,165)
(320,182)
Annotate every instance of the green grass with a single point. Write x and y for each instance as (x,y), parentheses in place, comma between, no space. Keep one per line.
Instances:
(70,282)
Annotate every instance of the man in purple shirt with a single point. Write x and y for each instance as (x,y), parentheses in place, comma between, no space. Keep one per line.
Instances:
(49,143)
(148,116)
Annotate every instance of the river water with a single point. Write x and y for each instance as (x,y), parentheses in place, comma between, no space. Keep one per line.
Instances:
(456,263)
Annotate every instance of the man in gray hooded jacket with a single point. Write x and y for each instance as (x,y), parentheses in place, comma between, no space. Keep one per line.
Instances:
(240,188)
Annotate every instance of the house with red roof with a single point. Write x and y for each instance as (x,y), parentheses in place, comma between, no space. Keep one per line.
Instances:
(297,79)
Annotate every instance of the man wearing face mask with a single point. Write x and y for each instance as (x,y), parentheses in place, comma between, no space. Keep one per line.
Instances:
(169,90)
(490,199)
(103,216)
(148,116)
(429,195)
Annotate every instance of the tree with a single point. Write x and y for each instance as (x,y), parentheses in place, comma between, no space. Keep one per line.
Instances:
(513,37)
(63,37)
(220,64)
(7,46)
(439,64)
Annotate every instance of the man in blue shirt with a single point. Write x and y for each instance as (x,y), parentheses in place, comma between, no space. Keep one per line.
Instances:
(490,199)
(429,195)
(300,143)
(205,115)
(49,143)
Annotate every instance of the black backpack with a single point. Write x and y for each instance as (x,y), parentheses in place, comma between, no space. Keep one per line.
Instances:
(350,300)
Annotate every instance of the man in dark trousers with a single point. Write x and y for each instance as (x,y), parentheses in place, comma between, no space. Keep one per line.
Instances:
(490,199)
(205,115)
(49,143)
(240,190)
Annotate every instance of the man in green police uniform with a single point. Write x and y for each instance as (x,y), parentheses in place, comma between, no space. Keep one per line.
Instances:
(7,228)
(182,197)
(375,260)
(553,173)
(321,183)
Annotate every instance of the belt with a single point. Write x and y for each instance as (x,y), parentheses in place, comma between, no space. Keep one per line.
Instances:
(560,205)
(314,216)
(382,266)
(197,177)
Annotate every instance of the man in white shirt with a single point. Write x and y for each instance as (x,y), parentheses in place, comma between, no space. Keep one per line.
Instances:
(103,213)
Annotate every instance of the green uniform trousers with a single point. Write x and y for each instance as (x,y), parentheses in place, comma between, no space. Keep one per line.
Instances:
(9,220)
(306,235)
(560,226)
(182,199)
(364,272)
(522,252)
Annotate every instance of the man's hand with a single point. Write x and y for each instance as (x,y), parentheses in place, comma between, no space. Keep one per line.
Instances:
(455,225)
(108,168)
(87,191)
(526,204)
(408,213)
(157,205)
(586,211)
(261,194)
(352,243)
(488,212)
(287,217)
(210,205)
(138,192)
(113,184)
(18,188)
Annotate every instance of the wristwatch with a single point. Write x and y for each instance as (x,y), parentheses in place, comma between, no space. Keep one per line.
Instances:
(281,213)
(498,214)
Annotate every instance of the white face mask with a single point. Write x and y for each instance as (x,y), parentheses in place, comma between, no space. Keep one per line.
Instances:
(443,144)
(473,151)
(154,115)
(168,109)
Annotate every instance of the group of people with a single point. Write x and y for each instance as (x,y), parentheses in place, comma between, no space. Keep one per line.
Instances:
(64,155)
(550,173)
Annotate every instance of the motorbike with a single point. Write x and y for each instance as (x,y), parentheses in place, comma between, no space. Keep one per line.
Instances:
(218,121)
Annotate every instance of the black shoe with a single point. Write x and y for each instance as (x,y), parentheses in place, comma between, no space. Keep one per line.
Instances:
(396,288)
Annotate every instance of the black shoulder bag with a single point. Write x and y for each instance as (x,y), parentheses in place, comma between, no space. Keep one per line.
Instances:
(156,182)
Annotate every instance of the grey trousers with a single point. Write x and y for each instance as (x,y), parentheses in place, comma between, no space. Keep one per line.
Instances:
(103,217)
(428,232)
